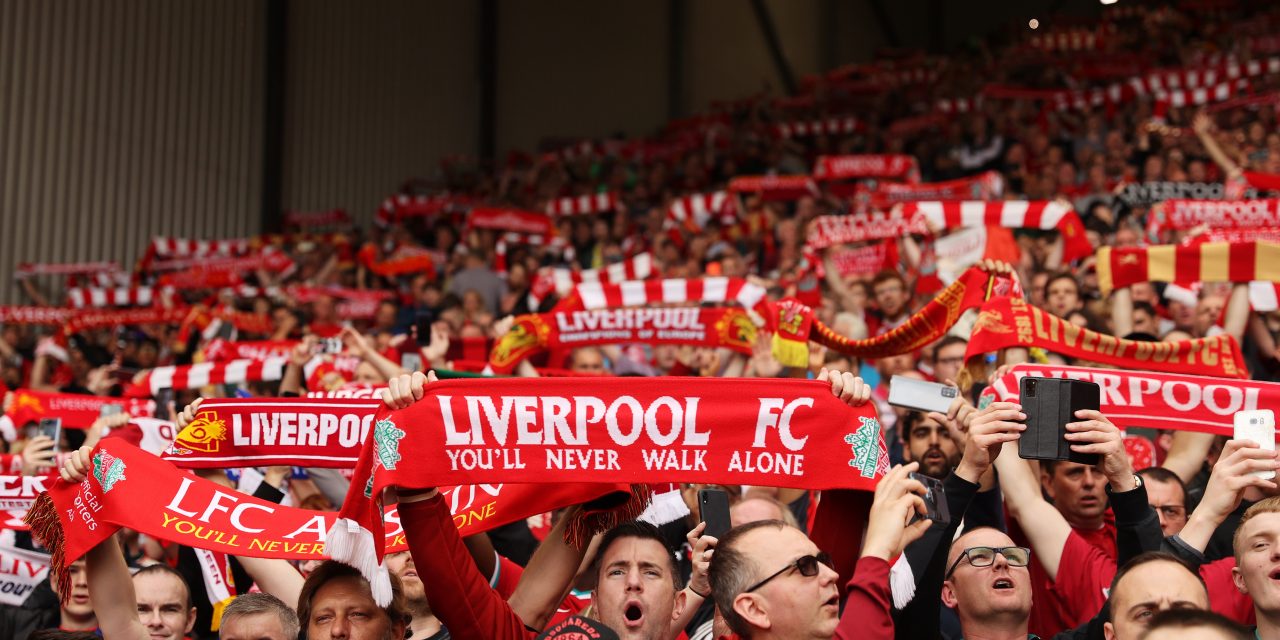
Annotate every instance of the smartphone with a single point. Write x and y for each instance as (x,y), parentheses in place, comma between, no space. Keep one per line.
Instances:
(51,427)
(164,398)
(921,395)
(1260,427)
(1051,403)
(422,327)
(935,500)
(713,504)
(109,410)
(411,361)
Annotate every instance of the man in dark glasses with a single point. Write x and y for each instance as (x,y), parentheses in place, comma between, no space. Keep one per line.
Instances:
(770,581)
(988,584)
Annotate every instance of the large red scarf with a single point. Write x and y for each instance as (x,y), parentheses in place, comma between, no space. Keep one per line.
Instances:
(827,231)
(1155,400)
(1217,214)
(194,376)
(1185,264)
(34,315)
(1011,322)
(252,432)
(535,333)
(220,350)
(583,205)
(547,431)
(526,222)
(775,187)
(77,411)
(70,519)
(602,295)
(984,186)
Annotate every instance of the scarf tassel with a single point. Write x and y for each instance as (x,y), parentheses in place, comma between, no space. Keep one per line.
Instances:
(606,512)
(46,528)
(351,544)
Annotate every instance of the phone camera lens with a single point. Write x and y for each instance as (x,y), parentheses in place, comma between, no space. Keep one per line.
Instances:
(1253,421)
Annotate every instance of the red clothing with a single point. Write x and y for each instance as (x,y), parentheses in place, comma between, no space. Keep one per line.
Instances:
(460,597)
(1263,181)
(1224,597)
(1086,569)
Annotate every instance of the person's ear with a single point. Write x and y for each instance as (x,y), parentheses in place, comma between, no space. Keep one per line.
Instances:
(1108,631)
(1046,483)
(1236,577)
(949,595)
(682,597)
(752,610)
(191,621)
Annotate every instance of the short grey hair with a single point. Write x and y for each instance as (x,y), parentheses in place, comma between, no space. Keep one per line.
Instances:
(732,572)
(251,604)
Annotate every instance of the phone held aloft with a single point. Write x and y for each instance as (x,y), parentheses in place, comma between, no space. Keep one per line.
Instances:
(714,505)
(921,395)
(935,500)
(1260,427)
(1051,403)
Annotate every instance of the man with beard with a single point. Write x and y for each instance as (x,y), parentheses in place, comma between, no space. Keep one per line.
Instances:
(425,625)
(926,439)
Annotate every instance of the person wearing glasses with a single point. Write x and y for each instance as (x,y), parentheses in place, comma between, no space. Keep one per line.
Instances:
(770,581)
(988,585)
(1167,494)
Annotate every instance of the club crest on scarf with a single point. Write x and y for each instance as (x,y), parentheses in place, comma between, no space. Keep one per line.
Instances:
(865,445)
(386,439)
(108,469)
(205,433)
(991,321)
(737,329)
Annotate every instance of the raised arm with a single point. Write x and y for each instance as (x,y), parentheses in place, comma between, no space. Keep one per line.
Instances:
(548,576)
(358,345)
(1237,314)
(1122,312)
(1187,454)
(1231,476)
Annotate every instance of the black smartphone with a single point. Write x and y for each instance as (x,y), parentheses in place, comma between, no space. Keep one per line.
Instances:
(1051,403)
(52,428)
(714,507)
(164,398)
(422,327)
(935,500)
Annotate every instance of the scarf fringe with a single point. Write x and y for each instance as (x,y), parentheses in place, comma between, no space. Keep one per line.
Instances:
(351,544)
(606,512)
(46,528)
(665,507)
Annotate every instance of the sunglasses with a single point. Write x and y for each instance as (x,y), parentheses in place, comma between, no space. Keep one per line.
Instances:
(986,556)
(806,565)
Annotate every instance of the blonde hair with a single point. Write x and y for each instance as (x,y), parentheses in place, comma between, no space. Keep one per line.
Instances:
(1269,505)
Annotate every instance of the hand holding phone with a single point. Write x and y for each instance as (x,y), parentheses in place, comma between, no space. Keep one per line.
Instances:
(1050,404)
(1260,427)
(51,428)
(935,500)
(921,395)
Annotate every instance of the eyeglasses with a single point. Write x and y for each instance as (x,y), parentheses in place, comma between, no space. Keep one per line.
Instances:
(806,565)
(986,556)
(1171,510)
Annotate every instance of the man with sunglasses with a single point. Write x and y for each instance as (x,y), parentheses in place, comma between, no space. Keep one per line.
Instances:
(770,581)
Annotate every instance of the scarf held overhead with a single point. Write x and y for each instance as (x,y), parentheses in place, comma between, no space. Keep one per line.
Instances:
(1155,400)
(548,431)
(1011,322)
(1186,264)
(535,333)
(69,519)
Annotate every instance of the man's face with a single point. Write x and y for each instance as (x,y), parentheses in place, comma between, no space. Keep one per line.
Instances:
(891,297)
(162,606)
(983,592)
(78,605)
(795,606)
(1147,589)
(401,564)
(1207,313)
(635,591)
(1077,490)
(929,443)
(948,361)
(1144,322)
(1183,315)
(1258,561)
(1063,297)
(257,626)
(1170,503)
(344,608)
(587,361)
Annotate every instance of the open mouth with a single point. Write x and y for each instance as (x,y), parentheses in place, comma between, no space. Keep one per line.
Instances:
(633,614)
(1275,574)
(833,601)
(1002,583)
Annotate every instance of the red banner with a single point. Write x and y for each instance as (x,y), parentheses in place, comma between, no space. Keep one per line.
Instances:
(77,411)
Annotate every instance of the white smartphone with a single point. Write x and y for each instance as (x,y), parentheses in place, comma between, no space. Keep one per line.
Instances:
(921,395)
(1260,427)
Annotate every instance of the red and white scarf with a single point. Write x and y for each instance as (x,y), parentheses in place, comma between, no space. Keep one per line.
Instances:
(1014,214)
(219,350)
(77,411)
(29,269)
(984,186)
(1181,215)
(582,205)
(194,376)
(95,297)
(600,295)
(548,431)
(693,212)
(562,281)
(162,247)
(774,187)
(1156,400)
(525,222)
(827,231)
(898,167)
(34,315)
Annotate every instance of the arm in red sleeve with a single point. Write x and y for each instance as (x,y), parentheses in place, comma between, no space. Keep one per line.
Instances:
(867,611)
(1082,589)
(460,597)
